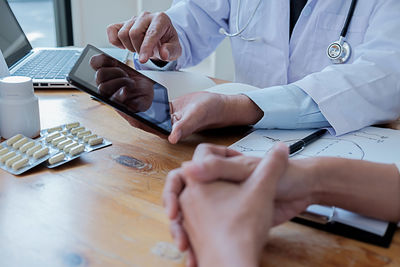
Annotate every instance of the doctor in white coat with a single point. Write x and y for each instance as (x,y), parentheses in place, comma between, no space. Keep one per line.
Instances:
(286,58)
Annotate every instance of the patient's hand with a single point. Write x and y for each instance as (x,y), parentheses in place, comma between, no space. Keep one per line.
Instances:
(227,223)
(212,163)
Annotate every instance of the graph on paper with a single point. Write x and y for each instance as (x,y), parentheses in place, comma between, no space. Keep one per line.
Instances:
(370,143)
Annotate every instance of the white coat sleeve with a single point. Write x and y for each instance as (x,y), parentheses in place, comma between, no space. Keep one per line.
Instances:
(197,23)
(287,107)
(366,92)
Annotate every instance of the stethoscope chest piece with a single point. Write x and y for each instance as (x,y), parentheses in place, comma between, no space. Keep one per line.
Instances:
(339,52)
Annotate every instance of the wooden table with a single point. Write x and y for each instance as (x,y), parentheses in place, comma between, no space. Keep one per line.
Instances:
(105,208)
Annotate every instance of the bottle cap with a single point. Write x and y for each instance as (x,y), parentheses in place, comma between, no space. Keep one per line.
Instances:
(16,86)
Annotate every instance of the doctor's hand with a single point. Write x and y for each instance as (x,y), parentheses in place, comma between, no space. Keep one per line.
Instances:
(151,35)
(198,111)
(227,223)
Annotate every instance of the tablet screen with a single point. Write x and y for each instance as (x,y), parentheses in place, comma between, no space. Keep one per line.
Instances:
(122,87)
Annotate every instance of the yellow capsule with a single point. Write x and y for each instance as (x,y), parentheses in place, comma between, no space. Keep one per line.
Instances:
(14,139)
(68,147)
(4,151)
(57,140)
(19,164)
(84,133)
(96,141)
(52,136)
(54,129)
(77,130)
(7,156)
(72,125)
(57,158)
(41,153)
(77,150)
(12,160)
(87,138)
(25,147)
(62,144)
(33,150)
(20,143)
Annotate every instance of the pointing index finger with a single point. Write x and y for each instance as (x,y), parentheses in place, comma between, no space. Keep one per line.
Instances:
(155,32)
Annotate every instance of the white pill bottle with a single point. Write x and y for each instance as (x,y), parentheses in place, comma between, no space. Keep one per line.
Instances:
(19,107)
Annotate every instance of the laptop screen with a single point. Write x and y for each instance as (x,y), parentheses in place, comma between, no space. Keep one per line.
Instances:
(13,42)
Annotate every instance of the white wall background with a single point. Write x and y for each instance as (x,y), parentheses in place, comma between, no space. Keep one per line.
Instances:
(91,18)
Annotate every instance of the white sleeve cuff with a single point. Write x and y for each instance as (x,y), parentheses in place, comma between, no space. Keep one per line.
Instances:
(287,107)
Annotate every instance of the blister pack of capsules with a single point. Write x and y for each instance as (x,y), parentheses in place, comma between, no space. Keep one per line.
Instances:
(55,146)
(70,141)
(20,154)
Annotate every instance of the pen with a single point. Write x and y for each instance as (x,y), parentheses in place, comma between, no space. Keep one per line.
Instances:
(299,145)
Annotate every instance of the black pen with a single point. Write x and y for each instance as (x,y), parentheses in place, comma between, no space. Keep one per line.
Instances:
(299,145)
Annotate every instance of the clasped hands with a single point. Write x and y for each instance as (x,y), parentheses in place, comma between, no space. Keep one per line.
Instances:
(222,203)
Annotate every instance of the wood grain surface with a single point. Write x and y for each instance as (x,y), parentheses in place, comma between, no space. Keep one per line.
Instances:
(105,208)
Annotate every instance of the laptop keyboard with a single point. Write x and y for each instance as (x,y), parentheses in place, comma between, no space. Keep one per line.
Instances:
(49,64)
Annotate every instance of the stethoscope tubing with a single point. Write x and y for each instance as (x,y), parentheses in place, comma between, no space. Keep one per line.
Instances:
(239,31)
(348,18)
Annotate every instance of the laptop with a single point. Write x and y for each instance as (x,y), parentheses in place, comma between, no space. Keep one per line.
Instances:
(48,67)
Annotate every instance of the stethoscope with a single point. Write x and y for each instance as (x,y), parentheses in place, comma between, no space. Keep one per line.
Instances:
(240,31)
(338,52)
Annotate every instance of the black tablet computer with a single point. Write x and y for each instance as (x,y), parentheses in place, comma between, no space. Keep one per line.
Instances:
(120,86)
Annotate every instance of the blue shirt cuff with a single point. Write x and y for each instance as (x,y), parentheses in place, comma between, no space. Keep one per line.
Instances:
(149,65)
(287,107)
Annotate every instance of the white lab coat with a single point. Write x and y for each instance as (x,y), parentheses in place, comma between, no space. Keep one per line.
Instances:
(364,91)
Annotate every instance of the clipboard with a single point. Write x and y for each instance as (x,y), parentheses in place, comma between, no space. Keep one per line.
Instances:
(352,232)
(357,227)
